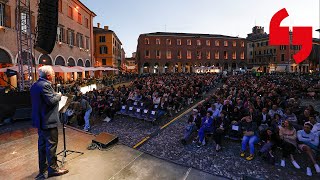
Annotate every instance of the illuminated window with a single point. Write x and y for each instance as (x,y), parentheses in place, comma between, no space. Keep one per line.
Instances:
(198,54)
(146,41)
(188,54)
(234,55)
(179,55)
(168,41)
(217,55)
(234,43)
(208,54)
(242,55)
(225,54)
(208,42)
(225,43)
(198,42)
(168,54)
(179,42)
(158,54)
(242,44)
(189,42)
(217,43)
(157,41)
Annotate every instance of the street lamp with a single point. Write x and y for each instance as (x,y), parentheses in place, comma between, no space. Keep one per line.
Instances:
(318,50)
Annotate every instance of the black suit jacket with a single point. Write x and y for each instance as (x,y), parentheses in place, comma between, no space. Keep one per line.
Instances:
(259,119)
(45,104)
(197,121)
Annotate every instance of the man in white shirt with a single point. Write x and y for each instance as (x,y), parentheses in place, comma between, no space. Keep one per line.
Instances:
(274,111)
(316,125)
(219,105)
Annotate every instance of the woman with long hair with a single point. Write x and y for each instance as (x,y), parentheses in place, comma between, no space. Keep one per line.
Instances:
(288,136)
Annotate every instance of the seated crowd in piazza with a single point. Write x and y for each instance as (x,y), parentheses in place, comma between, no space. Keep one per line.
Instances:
(263,110)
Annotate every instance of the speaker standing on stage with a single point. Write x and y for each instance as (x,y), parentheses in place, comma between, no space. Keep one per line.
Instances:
(45,116)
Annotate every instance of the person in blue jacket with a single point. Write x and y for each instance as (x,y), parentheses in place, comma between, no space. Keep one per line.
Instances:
(206,126)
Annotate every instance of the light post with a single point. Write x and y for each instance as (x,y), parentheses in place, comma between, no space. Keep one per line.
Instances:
(318,50)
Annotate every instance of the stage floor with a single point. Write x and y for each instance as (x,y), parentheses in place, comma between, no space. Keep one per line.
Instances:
(19,160)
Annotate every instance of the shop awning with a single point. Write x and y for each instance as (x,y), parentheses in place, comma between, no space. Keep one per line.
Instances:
(16,68)
(58,68)
(3,69)
(281,68)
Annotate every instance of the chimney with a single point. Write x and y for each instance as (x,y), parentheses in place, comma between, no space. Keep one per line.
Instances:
(98,24)
(106,27)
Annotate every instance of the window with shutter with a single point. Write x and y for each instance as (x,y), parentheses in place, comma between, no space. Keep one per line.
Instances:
(64,39)
(2,14)
(33,24)
(7,16)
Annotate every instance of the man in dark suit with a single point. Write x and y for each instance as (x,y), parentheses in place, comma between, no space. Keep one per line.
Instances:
(263,120)
(194,123)
(45,104)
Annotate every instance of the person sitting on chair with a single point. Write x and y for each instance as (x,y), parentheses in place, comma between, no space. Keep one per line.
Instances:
(194,123)
(206,126)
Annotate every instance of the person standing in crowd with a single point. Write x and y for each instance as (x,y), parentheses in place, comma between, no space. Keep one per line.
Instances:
(309,141)
(87,109)
(45,116)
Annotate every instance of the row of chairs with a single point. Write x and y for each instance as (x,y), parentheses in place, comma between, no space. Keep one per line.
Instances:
(139,113)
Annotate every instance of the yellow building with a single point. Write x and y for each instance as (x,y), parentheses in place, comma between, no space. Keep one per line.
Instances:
(107,51)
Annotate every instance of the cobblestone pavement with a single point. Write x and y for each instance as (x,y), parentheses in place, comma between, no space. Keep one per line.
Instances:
(227,162)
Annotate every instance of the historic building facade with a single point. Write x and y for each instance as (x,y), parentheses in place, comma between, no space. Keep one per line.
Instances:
(163,52)
(74,36)
(266,58)
(131,65)
(107,47)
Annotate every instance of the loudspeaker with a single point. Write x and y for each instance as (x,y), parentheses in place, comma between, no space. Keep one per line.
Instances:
(47,24)
(105,139)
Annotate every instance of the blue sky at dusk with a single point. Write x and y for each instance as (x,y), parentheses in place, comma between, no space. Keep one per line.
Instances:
(130,18)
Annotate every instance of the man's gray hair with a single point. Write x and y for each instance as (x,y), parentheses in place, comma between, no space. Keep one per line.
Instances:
(45,70)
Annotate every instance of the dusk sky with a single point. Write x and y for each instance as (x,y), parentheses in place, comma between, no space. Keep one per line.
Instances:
(130,18)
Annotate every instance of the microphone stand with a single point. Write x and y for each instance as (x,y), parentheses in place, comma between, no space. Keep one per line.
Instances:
(65,151)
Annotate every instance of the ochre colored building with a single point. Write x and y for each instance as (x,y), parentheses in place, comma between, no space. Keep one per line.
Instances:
(107,51)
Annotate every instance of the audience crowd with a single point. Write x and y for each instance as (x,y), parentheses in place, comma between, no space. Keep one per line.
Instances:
(263,112)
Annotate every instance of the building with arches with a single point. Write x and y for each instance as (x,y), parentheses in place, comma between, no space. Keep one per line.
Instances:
(165,52)
(266,58)
(74,35)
